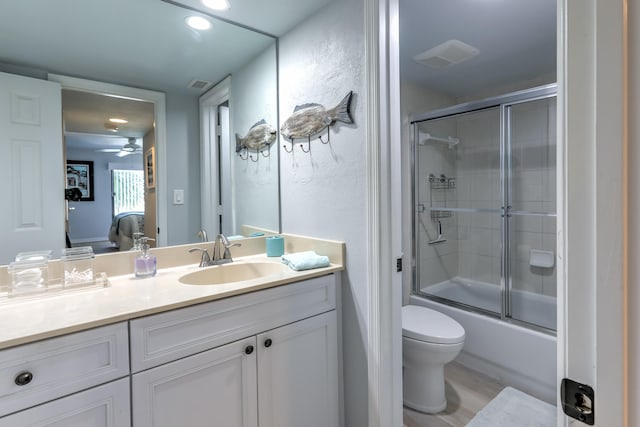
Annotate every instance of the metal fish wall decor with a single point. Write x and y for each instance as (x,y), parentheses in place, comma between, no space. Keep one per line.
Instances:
(310,119)
(260,136)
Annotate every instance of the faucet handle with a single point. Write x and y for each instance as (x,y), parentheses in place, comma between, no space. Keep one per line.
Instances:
(205,259)
(226,242)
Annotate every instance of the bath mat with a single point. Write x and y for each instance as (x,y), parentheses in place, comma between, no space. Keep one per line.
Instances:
(513,408)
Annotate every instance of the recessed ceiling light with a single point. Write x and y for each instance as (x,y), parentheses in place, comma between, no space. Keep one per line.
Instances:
(118,120)
(198,23)
(217,4)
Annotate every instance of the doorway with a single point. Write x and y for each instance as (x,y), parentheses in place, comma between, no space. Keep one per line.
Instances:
(154,137)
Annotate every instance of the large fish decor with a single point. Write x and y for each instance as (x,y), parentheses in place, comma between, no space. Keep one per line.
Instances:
(260,136)
(310,119)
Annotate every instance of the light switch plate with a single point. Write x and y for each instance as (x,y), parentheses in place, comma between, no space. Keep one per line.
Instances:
(178,197)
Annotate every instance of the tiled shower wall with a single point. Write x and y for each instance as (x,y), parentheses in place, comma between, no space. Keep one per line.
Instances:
(473,247)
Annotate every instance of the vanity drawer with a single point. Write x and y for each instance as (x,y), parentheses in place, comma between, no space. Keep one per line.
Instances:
(165,337)
(45,370)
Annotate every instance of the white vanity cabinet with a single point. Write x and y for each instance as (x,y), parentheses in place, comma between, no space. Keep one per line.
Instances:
(268,358)
(298,374)
(68,380)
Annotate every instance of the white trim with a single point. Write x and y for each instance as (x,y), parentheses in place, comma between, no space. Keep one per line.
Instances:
(384,213)
(591,226)
(90,239)
(375,368)
(159,101)
(208,157)
(394,303)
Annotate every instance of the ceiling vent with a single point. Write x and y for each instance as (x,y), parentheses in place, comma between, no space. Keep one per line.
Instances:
(448,53)
(199,84)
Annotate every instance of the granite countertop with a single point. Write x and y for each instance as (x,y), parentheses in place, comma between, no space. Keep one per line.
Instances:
(126,297)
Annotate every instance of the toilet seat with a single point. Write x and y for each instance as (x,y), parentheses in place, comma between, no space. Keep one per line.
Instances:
(425,324)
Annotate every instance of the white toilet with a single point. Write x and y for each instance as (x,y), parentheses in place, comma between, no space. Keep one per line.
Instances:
(429,341)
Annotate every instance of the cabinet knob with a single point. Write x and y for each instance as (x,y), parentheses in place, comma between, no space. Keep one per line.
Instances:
(248,349)
(268,342)
(23,378)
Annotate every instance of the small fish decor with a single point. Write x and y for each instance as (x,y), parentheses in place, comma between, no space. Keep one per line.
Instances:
(310,119)
(260,136)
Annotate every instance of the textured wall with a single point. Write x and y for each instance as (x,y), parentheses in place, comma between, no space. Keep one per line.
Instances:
(324,191)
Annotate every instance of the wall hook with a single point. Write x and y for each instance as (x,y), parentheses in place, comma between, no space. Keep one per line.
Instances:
(328,137)
(256,159)
(307,150)
(244,150)
(265,151)
(285,146)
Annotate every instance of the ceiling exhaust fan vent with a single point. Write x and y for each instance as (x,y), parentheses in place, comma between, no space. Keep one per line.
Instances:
(199,84)
(446,54)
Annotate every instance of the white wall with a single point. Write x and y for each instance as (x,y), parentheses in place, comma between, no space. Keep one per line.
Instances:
(253,97)
(323,192)
(183,168)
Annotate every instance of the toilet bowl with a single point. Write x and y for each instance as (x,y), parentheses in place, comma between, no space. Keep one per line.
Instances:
(429,341)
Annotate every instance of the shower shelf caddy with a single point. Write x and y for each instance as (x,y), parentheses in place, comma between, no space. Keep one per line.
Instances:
(441,182)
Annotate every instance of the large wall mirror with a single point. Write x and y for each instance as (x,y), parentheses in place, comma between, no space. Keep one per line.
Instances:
(98,51)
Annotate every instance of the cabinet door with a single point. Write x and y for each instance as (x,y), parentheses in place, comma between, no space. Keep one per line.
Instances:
(217,387)
(103,406)
(298,374)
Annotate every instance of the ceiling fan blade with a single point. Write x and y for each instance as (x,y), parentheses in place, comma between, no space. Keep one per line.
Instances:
(108,150)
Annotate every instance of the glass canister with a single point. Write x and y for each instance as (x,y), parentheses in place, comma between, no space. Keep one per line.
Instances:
(77,264)
(28,275)
(34,256)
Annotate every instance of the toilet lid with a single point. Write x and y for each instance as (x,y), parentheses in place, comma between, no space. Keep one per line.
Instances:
(424,324)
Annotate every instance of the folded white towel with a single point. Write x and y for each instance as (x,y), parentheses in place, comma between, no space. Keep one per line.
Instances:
(305,260)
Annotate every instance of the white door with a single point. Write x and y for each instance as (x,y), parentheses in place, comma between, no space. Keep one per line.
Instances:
(298,374)
(103,406)
(31,166)
(216,387)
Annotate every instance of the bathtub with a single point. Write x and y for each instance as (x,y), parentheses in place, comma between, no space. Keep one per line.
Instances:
(514,355)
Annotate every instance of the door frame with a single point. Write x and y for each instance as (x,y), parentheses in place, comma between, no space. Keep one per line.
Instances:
(592,218)
(158,99)
(209,102)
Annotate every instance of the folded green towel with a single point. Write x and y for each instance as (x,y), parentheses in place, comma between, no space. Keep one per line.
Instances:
(305,260)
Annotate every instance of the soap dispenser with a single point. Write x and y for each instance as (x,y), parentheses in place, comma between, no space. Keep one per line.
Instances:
(145,263)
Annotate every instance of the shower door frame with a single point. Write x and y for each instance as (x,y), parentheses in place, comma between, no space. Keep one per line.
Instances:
(503,102)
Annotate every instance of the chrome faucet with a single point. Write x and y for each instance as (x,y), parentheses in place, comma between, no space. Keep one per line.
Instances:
(219,257)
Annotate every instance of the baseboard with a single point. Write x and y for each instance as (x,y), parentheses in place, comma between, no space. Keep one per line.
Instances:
(89,239)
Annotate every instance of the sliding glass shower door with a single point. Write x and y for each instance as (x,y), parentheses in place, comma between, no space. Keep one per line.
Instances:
(484,197)
(531,191)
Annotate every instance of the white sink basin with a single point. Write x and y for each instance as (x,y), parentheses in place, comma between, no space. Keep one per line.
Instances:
(232,272)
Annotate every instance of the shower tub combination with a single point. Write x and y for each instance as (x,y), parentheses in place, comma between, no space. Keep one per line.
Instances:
(484,231)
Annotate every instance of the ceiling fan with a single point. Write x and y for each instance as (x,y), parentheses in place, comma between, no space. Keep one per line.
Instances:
(129,148)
